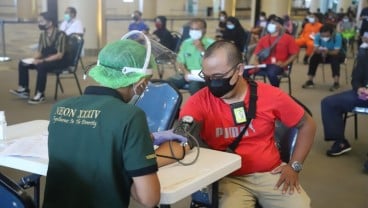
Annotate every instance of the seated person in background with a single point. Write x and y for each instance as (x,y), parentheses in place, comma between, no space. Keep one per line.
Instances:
(138,23)
(235,33)
(328,48)
(50,53)
(71,24)
(190,56)
(259,26)
(262,175)
(335,106)
(164,36)
(347,28)
(288,25)
(221,25)
(100,149)
(331,18)
(282,54)
(307,35)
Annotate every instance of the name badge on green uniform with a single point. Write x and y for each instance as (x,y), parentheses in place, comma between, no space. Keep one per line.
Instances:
(239,113)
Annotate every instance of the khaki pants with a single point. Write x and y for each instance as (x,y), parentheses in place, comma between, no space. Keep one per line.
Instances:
(243,191)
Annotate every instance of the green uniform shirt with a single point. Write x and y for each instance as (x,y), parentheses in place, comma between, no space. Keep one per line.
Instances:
(97,143)
(190,56)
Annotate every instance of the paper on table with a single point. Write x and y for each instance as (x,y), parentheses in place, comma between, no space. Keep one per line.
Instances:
(34,146)
(28,60)
(252,66)
(193,76)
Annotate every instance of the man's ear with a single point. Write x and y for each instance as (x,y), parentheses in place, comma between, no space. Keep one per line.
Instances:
(241,69)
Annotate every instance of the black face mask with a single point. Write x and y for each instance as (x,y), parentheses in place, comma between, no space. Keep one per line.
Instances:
(42,27)
(135,18)
(219,87)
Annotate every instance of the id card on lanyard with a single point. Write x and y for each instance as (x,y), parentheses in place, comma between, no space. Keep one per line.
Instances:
(239,113)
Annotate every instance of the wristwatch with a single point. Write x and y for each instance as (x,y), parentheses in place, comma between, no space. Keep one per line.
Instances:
(296,166)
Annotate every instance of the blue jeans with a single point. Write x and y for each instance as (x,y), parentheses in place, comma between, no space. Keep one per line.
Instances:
(272,72)
(333,108)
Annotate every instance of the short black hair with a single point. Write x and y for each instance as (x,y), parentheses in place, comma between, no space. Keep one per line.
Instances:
(48,16)
(199,20)
(327,28)
(73,10)
(234,56)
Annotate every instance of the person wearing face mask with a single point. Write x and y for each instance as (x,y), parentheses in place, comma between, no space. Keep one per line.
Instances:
(235,33)
(137,23)
(50,55)
(100,147)
(282,54)
(70,24)
(347,29)
(190,56)
(334,107)
(221,25)
(306,36)
(328,48)
(259,26)
(221,109)
(163,34)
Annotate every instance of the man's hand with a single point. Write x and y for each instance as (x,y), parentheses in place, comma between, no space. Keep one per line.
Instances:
(198,44)
(281,64)
(164,136)
(363,93)
(289,179)
(38,61)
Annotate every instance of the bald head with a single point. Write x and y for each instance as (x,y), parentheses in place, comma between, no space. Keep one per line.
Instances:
(233,55)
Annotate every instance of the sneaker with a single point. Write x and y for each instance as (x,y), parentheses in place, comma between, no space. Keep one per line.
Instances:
(335,86)
(308,84)
(37,99)
(365,167)
(20,92)
(339,148)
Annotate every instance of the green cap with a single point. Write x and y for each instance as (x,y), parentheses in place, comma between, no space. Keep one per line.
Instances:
(120,64)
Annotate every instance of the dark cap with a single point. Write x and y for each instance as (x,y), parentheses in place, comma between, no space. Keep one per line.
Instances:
(278,20)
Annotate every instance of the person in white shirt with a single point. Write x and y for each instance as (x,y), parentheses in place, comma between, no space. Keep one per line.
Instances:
(71,24)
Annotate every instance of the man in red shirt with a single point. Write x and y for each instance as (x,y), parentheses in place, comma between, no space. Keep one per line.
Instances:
(282,54)
(220,109)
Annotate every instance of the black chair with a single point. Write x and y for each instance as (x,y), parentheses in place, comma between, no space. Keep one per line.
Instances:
(295,29)
(177,39)
(73,51)
(284,76)
(161,102)
(12,195)
(354,113)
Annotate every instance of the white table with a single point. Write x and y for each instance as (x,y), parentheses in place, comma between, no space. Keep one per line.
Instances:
(177,181)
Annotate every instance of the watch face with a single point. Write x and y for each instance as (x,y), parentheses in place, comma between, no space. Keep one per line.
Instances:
(187,119)
(297,166)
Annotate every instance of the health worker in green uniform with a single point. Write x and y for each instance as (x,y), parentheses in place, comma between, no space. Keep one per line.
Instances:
(100,148)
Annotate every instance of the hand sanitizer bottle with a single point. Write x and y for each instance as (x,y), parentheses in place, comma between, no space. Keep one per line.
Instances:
(2,125)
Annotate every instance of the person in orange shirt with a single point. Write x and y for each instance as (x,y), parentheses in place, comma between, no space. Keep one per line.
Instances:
(307,35)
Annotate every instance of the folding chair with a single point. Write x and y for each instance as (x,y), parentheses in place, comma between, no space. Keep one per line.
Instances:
(161,102)
(354,113)
(12,195)
(73,52)
(345,69)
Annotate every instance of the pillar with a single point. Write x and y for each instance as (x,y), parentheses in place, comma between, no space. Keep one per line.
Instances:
(27,10)
(229,7)
(343,4)
(314,5)
(92,15)
(148,8)
(279,7)
(216,8)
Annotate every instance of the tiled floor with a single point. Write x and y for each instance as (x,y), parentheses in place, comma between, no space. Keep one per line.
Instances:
(330,182)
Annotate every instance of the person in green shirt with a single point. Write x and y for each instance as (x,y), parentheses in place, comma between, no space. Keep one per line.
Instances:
(190,56)
(101,152)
